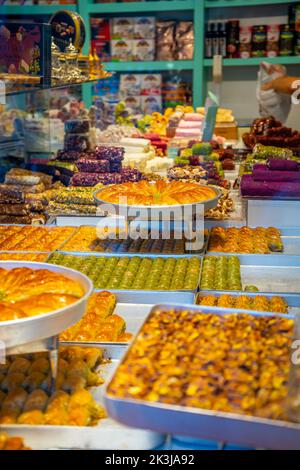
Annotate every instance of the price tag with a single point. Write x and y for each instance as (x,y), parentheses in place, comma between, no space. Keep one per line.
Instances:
(211,108)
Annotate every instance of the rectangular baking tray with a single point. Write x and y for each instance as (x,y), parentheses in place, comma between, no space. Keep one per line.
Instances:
(90,253)
(205,424)
(107,435)
(290,239)
(139,255)
(270,273)
(293,300)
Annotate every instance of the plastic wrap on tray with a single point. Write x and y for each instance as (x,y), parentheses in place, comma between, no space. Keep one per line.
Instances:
(90,165)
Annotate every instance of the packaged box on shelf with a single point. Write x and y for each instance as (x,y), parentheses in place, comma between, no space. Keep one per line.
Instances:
(122,28)
(121,49)
(27,52)
(144,27)
(134,103)
(100,28)
(151,84)
(131,83)
(151,104)
(143,49)
(102,49)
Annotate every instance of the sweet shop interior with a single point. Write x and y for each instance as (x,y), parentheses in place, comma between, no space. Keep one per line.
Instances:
(149,225)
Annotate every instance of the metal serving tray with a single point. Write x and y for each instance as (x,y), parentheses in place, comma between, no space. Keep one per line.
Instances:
(293,300)
(90,253)
(22,331)
(156,212)
(205,424)
(107,435)
(290,239)
(132,255)
(270,273)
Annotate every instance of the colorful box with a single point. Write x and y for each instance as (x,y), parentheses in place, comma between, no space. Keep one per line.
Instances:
(144,27)
(121,50)
(143,49)
(122,28)
(151,104)
(100,29)
(130,84)
(151,84)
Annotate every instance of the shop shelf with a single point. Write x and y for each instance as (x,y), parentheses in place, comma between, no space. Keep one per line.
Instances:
(289,60)
(141,7)
(241,3)
(148,66)
(34,9)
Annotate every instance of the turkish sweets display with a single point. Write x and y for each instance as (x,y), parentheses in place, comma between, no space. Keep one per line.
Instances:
(245,240)
(20,197)
(224,208)
(232,363)
(136,272)
(99,323)
(37,257)
(12,443)
(72,201)
(17,238)
(87,239)
(89,165)
(159,193)
(221,273)
(25,383)
(93,179)
(260,303)
(26,292)
(268,131)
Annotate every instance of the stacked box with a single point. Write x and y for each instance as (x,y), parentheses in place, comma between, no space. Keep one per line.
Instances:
(141,92)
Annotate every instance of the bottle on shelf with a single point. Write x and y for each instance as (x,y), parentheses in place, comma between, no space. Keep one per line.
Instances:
(222,33)
(209,40)
(233,34)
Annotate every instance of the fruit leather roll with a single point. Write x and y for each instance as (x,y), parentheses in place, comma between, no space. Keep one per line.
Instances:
(269,175)
(252,188)
(283,165)
(93,166)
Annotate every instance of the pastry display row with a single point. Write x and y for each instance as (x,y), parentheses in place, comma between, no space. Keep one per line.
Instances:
(99,324)
(275,304)
(25,383)
(237,363)
(23,238)
(88,239)
(221,273)
(245,240)
(138,273)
